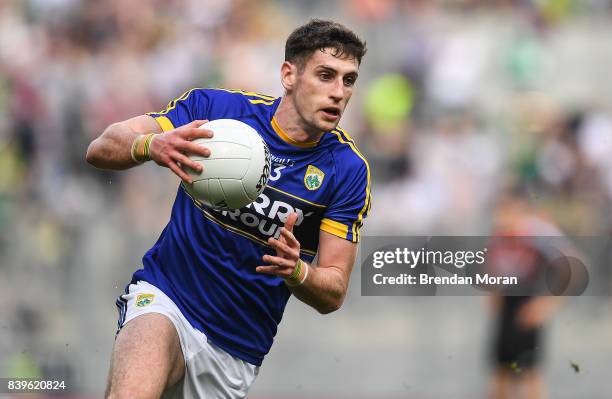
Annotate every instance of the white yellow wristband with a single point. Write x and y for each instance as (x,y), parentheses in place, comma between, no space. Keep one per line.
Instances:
(140,148)
(294,279)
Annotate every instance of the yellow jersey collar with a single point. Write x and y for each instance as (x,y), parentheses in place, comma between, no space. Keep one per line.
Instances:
(285,137)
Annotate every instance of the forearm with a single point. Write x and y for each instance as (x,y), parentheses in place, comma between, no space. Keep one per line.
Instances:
(112,150)
(324,288)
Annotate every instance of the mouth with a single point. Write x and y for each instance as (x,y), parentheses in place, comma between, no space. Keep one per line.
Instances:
(331,113)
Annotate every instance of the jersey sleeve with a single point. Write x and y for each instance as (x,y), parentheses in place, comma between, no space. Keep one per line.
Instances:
(350,203)
(192,105)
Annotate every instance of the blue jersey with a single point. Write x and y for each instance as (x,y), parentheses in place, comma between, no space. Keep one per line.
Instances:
(205,259)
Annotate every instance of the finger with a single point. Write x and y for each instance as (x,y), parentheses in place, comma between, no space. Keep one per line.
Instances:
(273,270)
(197,133)
(179,172)
(272,240)
(281,247)
(186,162)
(289,238)
(280,238)
(197,123)
(277,261)
(293,217)
(193,148)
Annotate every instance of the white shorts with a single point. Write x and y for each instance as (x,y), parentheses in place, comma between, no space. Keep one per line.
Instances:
(210,372)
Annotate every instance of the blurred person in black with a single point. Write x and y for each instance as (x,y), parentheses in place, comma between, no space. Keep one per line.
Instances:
(520,315)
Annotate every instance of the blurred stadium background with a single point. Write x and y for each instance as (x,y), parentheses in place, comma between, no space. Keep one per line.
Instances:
(457,102)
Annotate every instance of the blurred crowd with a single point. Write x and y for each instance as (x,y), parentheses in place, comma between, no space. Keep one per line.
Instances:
(458,102)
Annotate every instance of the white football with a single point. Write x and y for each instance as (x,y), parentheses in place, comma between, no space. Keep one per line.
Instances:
(237,170)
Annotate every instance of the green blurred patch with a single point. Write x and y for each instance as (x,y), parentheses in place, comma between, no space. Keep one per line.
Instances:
(515,367)
(389,101)
(22,365)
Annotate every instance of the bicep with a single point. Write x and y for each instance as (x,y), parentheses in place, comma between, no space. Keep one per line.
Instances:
(143,124)
(336,252)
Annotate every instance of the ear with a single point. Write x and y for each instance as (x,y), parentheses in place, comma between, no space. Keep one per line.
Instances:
(288,75)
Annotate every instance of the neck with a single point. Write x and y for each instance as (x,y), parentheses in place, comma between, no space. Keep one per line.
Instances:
(294,126)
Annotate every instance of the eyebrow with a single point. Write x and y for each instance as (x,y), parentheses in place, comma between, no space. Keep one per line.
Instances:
(334,70)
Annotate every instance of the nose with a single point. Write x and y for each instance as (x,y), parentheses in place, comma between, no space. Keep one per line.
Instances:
(337,92)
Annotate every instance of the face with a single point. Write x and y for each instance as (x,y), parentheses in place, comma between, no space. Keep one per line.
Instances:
(322,89)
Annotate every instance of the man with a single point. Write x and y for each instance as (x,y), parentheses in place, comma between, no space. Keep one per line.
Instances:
(521,320)
(200,316)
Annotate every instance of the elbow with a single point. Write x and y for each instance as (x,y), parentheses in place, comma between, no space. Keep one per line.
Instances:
(334,299)
(91,156)
(330,307)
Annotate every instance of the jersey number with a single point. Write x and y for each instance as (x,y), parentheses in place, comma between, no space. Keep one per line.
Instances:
(276,173)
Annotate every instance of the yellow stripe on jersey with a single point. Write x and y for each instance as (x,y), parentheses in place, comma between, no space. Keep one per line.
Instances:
(335,228)
(164,123)
(261,102)
(172,104)
(287,139)
(249,93)
(368,200)
(366,205)
(268,100)
(296,197)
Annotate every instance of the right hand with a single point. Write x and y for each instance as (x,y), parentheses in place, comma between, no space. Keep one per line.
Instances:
(170,149)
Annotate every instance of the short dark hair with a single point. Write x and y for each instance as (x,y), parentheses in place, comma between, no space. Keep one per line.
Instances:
(319,34)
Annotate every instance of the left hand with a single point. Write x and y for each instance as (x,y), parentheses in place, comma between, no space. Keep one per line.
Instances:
(287,251)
